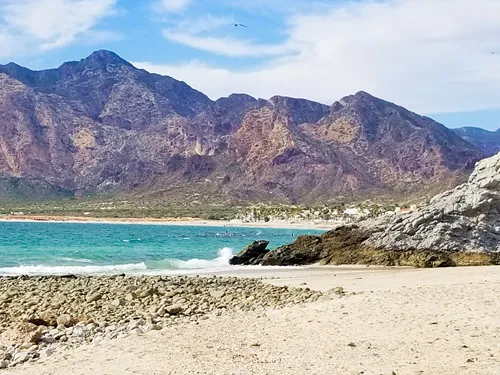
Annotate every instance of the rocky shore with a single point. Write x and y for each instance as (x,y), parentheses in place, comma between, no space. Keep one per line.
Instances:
(42,315)
(460,227)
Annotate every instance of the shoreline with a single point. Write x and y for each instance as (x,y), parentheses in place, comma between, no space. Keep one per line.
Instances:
(166,222)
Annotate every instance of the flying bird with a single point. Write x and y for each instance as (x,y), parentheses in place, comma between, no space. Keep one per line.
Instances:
(238,25)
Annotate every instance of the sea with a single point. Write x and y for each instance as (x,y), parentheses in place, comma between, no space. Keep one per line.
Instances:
(49,248)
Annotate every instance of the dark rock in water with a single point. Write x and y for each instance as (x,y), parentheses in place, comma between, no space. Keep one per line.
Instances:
(251,255)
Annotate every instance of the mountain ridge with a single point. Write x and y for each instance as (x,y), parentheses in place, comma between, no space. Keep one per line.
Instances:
(102,126)
(487,141)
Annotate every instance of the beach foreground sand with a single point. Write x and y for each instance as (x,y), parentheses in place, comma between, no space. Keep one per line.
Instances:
(400,321)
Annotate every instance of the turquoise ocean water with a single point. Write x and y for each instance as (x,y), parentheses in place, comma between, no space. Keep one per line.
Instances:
(28,248)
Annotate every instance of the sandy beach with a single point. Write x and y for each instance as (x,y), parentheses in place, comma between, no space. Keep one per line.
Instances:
(390,321)
(169,221)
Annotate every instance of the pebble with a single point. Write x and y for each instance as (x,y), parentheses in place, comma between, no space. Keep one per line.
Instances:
(94,297)
(65,320)
(174,309)
(131,305)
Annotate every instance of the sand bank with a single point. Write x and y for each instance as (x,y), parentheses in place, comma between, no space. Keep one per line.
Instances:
(168,221)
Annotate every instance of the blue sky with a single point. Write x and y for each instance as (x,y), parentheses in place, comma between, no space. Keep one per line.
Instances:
(436,57)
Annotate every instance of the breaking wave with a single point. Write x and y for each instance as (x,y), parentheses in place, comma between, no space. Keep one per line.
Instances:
(219,263)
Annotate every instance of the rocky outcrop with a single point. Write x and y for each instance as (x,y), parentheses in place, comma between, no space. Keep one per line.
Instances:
(251,255)
(458,227)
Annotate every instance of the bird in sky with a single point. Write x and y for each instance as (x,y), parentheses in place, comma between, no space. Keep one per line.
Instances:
(238,25)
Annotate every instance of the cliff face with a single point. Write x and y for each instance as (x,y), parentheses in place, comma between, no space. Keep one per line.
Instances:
(102,126)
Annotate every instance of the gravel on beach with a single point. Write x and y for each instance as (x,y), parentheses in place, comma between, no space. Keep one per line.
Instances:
(42,315)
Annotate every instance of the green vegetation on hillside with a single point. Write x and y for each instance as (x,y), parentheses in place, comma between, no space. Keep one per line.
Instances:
(118,209)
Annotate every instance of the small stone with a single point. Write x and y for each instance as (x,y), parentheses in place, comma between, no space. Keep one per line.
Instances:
(79,331)
(4,364)
(174,309)
(218,294)
(65,320)
(21,357)
(117,302)
(130,297)
(94,297)
(147,293)
(338,291)
(160,311)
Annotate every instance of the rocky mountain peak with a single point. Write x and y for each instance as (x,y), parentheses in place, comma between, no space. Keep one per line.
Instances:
(106,57)
(236,100)
(299,111)
(98,61)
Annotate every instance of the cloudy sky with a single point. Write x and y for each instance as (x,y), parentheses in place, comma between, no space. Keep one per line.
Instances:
(435,57)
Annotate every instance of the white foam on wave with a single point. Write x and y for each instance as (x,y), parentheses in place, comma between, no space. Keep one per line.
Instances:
(40,270)
(222,260)
(166,267)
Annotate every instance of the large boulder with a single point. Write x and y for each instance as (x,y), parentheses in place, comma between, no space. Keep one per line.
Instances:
(465,219)
(458,227)
(251,255)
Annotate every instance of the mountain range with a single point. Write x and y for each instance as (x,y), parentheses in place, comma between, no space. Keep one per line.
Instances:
(102,126)
(486,141)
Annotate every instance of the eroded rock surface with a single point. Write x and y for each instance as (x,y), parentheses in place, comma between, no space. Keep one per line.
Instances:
(458,227)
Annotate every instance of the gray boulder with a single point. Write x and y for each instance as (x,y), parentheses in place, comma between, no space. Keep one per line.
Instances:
(465,219)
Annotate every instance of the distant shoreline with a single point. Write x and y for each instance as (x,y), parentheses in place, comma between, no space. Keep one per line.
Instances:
(165,221)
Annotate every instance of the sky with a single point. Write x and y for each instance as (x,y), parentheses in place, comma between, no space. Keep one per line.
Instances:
(440,58)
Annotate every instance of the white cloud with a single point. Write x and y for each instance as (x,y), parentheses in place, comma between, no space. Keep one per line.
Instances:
(52,24)
(201,24)
(8,44)
(227,46)
(201,33)
(172,5)
(429,55)
(102,36)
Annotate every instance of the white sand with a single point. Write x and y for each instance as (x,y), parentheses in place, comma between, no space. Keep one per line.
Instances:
(171,221)
(442,321)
